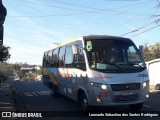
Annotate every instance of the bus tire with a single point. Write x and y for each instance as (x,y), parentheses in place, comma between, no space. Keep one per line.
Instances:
(84,102)
(157,87)
(136,107)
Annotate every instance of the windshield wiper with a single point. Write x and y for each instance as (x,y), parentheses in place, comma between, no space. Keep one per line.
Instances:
(117,65)
(130,64)
(136,65)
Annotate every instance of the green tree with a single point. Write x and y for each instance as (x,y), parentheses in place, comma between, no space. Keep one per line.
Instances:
(151,52)
(4,71)
(39,72)
(4,53)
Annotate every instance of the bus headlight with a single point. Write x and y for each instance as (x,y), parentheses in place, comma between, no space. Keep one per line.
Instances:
(104,87)
(144,84)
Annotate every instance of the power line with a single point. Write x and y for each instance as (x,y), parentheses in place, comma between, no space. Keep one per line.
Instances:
(127,21)
(156,21)
(81,6)
(130,32)
(144,25)
(51,6)
(145,31)
(158,2)
(73,14)
(155,15)
(158,6)
(97,21)
(131,19)
(149,19)
(75,5)
(86,12)
(71,4)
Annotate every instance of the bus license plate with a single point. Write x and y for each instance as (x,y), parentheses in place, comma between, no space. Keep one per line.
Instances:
(127,93)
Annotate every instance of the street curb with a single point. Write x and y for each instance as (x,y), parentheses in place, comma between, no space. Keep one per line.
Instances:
(18,102)
(12,98)
(5,88)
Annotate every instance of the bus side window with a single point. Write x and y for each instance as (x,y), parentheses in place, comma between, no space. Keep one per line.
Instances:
(49,59)
(68,57)
(79,60)
(44,60)
(61,56)
(55,58)
(132,55)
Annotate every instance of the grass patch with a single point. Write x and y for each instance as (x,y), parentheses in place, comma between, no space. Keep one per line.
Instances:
(152,89)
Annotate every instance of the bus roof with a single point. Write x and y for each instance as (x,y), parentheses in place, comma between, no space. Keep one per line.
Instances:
(88,37)
(91,37)
(64,43)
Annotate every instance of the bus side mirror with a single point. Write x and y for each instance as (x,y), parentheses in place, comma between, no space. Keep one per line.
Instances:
(141,49)
(75,49)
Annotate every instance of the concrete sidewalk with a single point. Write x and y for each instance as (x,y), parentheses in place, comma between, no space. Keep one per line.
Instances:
(9,101)
(6,98)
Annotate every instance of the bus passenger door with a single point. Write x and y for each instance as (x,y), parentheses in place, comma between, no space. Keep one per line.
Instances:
(68,85)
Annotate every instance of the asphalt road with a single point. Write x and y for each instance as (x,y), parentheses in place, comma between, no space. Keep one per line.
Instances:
(35,97)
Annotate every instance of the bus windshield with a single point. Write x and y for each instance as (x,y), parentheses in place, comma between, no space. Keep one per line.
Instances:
(114,55)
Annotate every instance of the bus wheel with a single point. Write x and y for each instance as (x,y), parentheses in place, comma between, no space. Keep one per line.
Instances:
(136,107)
(157,87)
(84,103)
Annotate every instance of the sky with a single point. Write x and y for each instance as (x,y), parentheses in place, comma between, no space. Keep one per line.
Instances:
(33,26)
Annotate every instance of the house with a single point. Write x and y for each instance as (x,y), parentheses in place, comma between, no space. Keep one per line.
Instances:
(153,67)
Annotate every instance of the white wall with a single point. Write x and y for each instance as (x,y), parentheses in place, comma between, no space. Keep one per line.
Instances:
(154,71)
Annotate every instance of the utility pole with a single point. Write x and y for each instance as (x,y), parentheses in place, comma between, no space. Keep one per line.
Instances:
(3,13)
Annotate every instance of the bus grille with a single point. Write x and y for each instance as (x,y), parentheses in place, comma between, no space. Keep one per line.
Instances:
(124,87)
(126,98)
